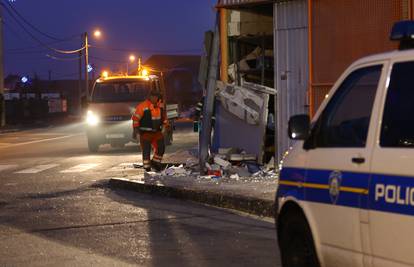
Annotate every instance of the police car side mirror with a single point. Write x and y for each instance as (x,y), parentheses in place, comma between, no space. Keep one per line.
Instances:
(299,126)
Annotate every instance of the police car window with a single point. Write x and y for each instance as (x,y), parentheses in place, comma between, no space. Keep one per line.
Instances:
(345,120)
(397,128)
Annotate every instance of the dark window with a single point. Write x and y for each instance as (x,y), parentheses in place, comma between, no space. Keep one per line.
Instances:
(398,120)
(345,120)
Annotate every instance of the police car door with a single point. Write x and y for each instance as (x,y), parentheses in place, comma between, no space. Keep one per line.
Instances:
(391,193)
(339,164)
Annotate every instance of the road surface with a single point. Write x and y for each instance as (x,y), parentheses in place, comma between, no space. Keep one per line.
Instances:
(56,210)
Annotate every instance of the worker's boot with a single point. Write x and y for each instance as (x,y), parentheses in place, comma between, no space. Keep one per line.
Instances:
(147,165)
(157,166)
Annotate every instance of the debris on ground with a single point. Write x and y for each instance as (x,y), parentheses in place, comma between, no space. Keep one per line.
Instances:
(228,163)
(222,162)
(176,171)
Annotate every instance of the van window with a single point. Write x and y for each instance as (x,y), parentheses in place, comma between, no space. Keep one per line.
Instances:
(121,91)
(397,128)
(345,120)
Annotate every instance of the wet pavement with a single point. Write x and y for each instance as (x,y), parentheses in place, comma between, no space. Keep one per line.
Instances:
(56,209)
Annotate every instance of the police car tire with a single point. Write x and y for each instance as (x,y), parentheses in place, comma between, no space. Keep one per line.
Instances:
(296,243)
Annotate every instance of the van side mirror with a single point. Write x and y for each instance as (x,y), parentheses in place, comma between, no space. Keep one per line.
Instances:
(299,127)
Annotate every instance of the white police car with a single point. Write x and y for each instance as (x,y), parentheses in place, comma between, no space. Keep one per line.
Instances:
(346,190)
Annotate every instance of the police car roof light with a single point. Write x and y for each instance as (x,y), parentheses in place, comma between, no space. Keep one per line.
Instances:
(403,31)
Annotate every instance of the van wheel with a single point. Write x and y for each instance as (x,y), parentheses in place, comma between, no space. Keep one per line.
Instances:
(296,243)
(93,146)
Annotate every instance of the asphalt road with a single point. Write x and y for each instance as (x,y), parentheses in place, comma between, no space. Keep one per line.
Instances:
(56,210)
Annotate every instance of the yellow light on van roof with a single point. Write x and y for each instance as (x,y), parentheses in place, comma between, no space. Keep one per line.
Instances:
(105,74)
(145,72)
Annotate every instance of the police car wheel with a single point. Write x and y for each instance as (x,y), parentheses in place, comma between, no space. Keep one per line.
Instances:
(296,243)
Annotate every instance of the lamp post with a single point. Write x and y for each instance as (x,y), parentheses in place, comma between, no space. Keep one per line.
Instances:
(85,43)
(85,36)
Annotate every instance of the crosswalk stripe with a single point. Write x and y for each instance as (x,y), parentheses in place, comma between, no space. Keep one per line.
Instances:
(6,167)
(121,167)
(81,168)
(38,168)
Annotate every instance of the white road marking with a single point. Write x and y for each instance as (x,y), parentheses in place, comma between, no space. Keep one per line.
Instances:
(122,167)
(39,141)
(39,168)
(6,167)
(81,168)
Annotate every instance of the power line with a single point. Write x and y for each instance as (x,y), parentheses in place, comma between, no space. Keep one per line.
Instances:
(29,48)
(62,58)
(13,31)
(34,27)
(36,39)
(27,52)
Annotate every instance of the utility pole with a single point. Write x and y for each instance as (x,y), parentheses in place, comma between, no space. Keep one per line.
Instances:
(78,107)
(2,101)
(208,105)
(86,64)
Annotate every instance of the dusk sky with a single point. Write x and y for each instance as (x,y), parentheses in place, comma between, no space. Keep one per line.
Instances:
(138,26)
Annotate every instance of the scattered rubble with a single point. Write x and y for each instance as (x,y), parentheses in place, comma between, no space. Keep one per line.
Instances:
(229,164)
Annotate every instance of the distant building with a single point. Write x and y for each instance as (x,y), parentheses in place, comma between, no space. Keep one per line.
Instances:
(66,89)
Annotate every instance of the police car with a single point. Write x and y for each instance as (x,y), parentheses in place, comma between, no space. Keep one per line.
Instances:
(346,189)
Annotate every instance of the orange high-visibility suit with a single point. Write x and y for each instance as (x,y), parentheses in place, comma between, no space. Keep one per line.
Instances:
(148,122)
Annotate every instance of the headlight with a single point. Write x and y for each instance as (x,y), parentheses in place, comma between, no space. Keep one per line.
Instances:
(92,119)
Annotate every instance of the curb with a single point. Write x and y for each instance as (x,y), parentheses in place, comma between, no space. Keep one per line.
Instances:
(255,206)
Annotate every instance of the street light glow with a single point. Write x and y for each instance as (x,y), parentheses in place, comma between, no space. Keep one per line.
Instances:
(145,72)
(132,58)
(97,34)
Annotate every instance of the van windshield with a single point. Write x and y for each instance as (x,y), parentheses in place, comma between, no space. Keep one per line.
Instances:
(121,91)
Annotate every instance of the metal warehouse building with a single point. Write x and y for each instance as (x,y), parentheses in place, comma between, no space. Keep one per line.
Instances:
(311,42)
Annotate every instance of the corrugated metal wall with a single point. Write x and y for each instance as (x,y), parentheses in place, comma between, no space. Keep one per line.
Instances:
(345,30)
(291,65)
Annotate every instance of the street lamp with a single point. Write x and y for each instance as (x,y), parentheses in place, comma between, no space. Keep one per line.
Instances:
(132,59)
(97,34)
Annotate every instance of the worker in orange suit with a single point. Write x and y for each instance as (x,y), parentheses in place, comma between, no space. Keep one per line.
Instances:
(149,123)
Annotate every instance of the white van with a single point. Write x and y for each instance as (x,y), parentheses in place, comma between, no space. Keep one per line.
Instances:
(346,189)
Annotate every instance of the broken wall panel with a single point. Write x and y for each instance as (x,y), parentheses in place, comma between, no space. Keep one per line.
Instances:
(241,120)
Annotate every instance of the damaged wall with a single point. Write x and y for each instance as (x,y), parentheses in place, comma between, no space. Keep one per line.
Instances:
(241,118)
(245,22)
